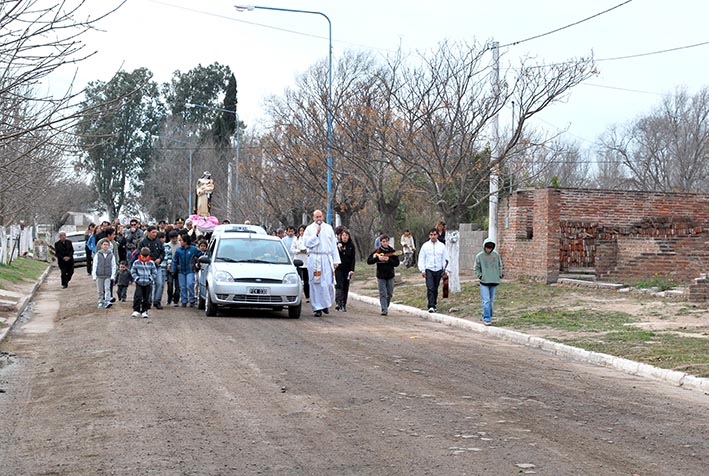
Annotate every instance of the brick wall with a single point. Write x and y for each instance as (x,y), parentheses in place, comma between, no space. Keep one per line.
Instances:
(623,235)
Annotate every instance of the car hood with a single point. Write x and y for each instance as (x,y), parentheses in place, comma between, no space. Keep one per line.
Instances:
(255,271)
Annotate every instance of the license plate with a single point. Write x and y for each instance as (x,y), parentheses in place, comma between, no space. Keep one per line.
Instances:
(258,290)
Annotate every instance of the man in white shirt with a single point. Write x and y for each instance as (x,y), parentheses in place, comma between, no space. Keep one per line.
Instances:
(433,261)
(323,258)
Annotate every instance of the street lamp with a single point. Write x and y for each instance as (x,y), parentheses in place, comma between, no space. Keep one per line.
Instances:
(238,149)
(249,8)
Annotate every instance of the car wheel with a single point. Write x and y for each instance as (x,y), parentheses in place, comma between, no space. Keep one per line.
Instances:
(294,311)
(210,309)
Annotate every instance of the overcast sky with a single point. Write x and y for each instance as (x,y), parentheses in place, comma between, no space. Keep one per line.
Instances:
(268,49)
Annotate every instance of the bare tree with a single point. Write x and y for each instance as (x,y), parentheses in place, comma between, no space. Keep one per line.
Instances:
(667,149)
(36,39)
(448,106)
(556,163)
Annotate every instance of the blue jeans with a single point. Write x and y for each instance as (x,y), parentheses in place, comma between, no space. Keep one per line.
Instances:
(158,285)
(487,295)
(386,292)
(186,287)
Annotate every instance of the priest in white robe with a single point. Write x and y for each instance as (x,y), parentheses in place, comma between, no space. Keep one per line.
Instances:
(323,258)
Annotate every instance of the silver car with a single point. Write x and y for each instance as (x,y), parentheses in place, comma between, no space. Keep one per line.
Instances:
(246,269)
(77,239)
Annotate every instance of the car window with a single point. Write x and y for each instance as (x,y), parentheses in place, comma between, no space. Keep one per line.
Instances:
(75,238)
(245,250)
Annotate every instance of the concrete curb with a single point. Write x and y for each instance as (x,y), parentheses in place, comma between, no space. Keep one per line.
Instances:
(23,303)
(674,377)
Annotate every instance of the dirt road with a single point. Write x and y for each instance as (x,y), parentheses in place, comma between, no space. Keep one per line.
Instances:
(88,392)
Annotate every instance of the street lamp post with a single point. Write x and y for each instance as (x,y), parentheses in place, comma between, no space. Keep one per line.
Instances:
(245,8)
(236,161)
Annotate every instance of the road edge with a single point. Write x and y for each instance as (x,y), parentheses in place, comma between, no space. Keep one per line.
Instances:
(23,303)
(674,377)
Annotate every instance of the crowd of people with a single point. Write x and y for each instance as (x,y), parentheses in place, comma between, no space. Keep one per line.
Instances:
(165,255)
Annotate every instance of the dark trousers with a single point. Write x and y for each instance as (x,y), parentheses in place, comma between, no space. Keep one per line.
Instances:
(342,287)
(89,260)
(173,288)
(141,297)
(122,292)
(67,270)
(303,272)
(433,280)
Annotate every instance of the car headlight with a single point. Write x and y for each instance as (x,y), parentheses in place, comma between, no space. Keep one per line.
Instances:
(290,278)
(223,276)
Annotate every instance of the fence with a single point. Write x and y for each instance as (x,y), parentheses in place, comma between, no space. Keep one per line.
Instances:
(16,240)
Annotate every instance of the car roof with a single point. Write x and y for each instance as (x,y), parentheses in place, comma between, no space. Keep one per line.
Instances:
(238,228)
(250,236)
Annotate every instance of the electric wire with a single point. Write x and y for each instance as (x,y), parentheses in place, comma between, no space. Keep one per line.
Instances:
(515,43)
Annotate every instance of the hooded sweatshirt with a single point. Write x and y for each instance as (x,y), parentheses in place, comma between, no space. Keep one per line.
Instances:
(488,266)
(144,271)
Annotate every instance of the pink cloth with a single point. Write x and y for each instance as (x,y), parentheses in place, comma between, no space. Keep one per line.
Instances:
(204,223)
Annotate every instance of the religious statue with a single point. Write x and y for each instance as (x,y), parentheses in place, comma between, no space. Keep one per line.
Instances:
(205,187)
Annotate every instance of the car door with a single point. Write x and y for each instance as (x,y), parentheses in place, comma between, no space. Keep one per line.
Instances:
(204,269)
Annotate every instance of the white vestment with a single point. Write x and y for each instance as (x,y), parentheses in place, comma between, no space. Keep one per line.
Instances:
(322,258)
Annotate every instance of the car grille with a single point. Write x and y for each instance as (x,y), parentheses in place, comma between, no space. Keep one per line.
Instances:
(258,281)
(258,298)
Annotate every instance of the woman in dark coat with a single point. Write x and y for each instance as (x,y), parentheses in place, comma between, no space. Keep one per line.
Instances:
(344,271)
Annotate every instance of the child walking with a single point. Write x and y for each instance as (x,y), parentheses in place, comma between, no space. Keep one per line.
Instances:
(124,279)
(104,269)
(144,274)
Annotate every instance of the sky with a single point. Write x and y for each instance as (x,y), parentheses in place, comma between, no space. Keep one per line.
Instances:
(267,50)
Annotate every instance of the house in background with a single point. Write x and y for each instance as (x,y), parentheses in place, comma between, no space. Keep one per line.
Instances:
(616,236)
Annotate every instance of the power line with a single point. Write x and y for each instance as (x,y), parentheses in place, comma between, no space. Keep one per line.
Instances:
(514,43)
(668,50)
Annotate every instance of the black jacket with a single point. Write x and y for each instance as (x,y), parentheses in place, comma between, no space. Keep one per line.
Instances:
(385,269)
(64,249)
(347,256)
(157,250)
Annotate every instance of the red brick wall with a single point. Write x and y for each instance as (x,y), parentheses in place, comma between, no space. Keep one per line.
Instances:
(634,235)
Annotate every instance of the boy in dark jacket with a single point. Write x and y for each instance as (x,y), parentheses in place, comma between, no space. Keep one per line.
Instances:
(144,274)
(124,279)
(386,259)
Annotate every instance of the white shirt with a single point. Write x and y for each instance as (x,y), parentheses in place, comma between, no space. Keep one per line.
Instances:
(433,256)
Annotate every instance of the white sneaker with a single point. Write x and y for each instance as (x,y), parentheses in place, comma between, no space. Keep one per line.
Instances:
(145,315)
(135,314)
(431,309)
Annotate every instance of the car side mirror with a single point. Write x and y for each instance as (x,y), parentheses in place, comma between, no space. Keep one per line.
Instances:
(204,259)
(298,262)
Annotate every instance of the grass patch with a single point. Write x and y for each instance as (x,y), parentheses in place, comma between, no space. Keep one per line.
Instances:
(667,351)
(657,282)
(584,320)
(21,269)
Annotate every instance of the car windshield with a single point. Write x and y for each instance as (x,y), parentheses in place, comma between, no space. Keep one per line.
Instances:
(250,250)
(75,238)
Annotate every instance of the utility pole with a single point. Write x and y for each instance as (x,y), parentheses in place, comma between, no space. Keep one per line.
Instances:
(494,156)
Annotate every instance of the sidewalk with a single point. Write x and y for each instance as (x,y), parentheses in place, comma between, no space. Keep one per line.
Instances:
(563,351)
(13,304)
